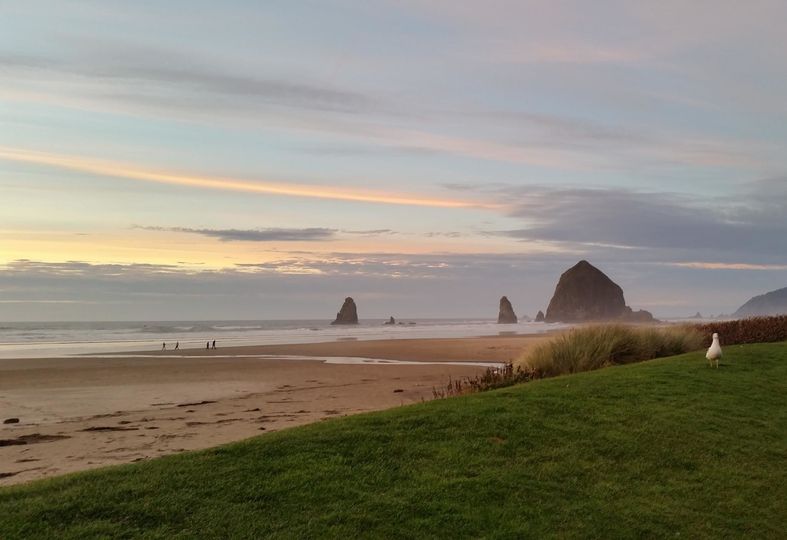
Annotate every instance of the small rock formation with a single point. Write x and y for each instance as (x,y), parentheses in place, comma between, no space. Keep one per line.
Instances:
(772,303)
(348,314)
(540,316)
(390,321)
(638,316)
(506,314)
(585,293)
(697,315)
(11,421)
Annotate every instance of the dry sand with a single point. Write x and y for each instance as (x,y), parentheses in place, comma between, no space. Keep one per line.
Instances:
(85,412)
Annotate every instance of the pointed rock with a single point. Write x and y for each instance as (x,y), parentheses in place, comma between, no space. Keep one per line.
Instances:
(585,293)
(506,314)
(540,316)
(348,314)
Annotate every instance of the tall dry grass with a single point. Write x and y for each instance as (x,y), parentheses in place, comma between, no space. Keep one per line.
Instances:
(490,379)
(594,347)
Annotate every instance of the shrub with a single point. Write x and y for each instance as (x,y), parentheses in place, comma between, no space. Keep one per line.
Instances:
(751,330)
(594,347)
(490,379)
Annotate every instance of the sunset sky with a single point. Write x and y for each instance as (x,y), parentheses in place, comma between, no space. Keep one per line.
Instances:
(233,160)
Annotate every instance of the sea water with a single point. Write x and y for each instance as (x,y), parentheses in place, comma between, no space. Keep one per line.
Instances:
(57,339)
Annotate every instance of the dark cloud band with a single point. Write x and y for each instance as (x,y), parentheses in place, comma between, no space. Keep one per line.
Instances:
(312,234)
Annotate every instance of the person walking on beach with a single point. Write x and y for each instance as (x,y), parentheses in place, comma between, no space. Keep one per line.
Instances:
(207,346)
(214,343)
(164,346)
(177,345)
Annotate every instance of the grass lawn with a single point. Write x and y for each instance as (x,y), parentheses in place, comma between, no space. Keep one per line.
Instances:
(667,448)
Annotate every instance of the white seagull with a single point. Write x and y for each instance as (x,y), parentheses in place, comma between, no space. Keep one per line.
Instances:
(714,351)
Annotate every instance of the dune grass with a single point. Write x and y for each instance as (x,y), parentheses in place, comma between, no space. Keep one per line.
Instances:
(667,448)
(594,347)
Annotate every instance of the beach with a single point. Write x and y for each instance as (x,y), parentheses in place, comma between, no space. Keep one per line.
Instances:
(90,411)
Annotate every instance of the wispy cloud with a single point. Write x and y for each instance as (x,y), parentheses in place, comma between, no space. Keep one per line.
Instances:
(448,234)
(563,53)
(119,170)
(370,232)
(87,269)
(171,84)
(312,234)
(727,266)
(171,75)
(40,301)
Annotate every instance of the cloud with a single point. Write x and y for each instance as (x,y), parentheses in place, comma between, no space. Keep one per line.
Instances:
(448,234)
(312,234)
(747,228)
(563,53)
(366,265)
(130,172)
(371,232)
(171,83)
(169,75)
(87,269)
(728,266)
(311,286)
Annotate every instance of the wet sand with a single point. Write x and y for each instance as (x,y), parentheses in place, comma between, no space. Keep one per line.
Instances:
(85,412)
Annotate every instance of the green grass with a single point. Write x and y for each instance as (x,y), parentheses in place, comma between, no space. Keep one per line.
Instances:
(667,448)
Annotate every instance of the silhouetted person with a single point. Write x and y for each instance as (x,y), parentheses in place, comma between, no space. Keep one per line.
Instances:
(164,346)
(177,345)
(214,343)
(207,345)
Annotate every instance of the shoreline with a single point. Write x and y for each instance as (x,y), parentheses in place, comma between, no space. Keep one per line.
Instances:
(26,340)
(88,411)
(470,349)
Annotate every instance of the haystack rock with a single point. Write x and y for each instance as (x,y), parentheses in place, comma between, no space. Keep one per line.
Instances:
(390,321)
(506,314)
(585,293)
(540,316)
(348,314)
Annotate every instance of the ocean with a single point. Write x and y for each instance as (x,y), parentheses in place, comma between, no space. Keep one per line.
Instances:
(59,339)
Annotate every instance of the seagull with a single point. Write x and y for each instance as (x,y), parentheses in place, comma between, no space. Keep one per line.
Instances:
(714,351)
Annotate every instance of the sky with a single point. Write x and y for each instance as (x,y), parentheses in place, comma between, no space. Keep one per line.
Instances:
(263,160)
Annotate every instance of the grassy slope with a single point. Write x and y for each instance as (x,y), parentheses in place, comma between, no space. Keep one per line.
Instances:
(664,448)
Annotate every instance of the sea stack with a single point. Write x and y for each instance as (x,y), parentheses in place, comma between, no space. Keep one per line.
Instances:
(506,314)
(585,293)
(348,314)
(540,316)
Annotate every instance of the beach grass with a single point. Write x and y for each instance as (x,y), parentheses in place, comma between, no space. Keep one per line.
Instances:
(666,448)
(593,347)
